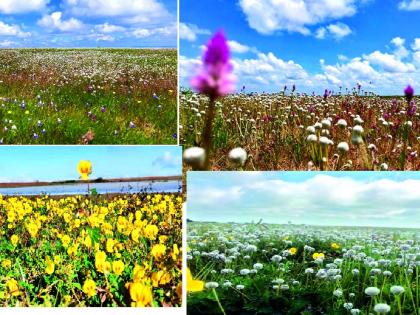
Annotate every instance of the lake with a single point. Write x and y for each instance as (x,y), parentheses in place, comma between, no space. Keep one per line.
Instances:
(101,188)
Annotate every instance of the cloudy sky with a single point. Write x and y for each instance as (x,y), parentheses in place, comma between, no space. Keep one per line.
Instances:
(388,199)
(88,23)
(47,163)
(314,44)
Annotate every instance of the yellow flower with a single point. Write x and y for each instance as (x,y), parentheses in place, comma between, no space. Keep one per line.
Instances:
(66,240)
(110,245)
(315,256)
(158,251)
(50,265)
(135,235)
(72,250)
(13,287)
(15,240)
(175,252)
(87,241)
(193,285)
(138,273)
(160,277)
(163,239)
(335,246)
(150,231)
(66,299)
(293,251)
(140,294)
(118,267)
(89,287)
(32,229)
(85,169)
(57,259)
(6,263)
(100,263)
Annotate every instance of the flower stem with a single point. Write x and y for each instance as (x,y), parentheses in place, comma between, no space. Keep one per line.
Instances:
(218,301)
(206,140)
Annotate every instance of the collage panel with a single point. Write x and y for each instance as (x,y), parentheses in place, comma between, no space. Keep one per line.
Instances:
(303,242)
(91,226)
(88,72)
(299,85)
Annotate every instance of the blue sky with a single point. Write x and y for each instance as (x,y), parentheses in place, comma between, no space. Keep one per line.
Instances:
(388,199)
(46,163)
(88,23)
(313,44)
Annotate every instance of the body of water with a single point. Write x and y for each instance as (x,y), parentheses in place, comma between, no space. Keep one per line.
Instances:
(101,188)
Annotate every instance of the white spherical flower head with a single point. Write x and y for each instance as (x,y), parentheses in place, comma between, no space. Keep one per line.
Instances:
(312,138)
(318,125)
(310,130)
(355,311)
(408,124)
(326,124)
(382,308)
(211,285)
(384,167)
(348,306)
(356,136)
(358,120)
(258,266)
(397,289)
(245,272)
(324,141)
(195,156)
(343,147)
(240,287)
(342,123)
(372,291)
(238,156)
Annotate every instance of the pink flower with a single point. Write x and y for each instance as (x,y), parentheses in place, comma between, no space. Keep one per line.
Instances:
(215,77)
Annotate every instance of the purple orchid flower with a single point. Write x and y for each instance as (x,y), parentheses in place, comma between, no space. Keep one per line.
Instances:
(215,78)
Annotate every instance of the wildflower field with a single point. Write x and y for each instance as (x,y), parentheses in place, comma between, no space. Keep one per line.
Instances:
(292,269)
(304,132)
(88,96)
(121,250)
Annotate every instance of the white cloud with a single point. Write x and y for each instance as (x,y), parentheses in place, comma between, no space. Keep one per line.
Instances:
(104,37)
(409,5)
(398,41)
(238,47)
(12,30)
(416,44)
(132,11)
(321,33)
(389,62)
(379,71)
(109,28)
(166,31)
(54,22)
(168,160)
(322,199)
(337,31)
(22,6)
(268,16)
(189,32)
(7,43)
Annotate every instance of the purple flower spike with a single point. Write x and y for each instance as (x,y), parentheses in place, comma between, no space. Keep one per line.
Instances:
(215,78)
(411,111)
(409,93)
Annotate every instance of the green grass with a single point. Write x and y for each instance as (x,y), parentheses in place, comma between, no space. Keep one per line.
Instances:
(74,91)
(370,248)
